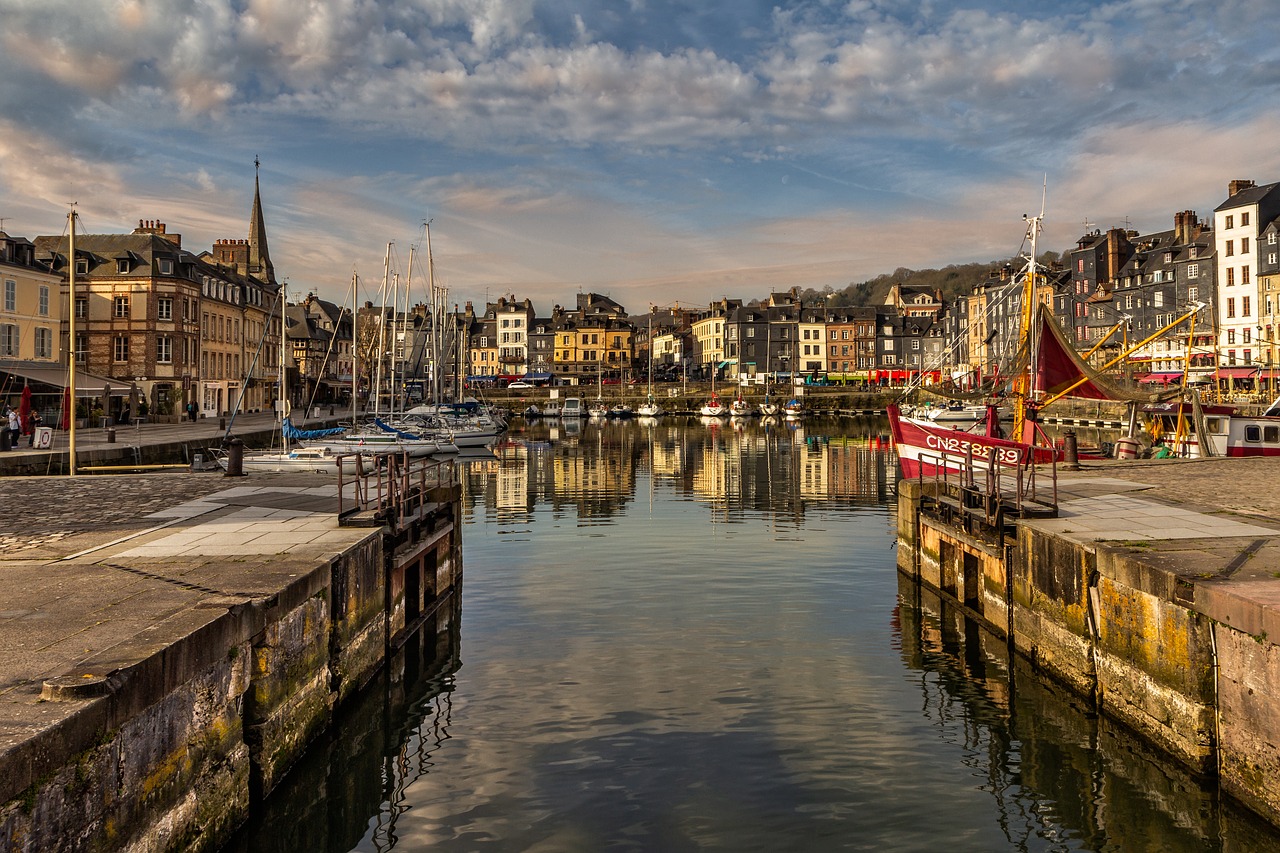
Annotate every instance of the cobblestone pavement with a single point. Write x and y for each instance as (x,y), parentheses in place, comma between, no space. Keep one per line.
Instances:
(1246,486)
(38,512)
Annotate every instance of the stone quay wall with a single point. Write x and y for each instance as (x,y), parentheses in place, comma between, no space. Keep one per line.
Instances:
(1189,664)
(204,714)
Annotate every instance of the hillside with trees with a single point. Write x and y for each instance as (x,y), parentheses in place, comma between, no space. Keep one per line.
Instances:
(953,280)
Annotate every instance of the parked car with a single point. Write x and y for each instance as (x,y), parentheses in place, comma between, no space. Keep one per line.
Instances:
(515,386)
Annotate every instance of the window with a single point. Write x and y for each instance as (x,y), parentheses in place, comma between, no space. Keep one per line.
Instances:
(1193,293)
(1231,276)
(1193,270)
(1157,299)
(122,266)
(44,343)
(82,347)
(44,300)
(164,349)
(1244,308)
(1231,246)
(1271,258)
(1244,218)
(165,266)
(121,307)
(82,266)
(1244,245)
(915,344)
(1193,252)
(120,349)
(10,295)
(1246,335)
(82,307)
(164,308)
(1231,222)
(8,339)
(1231,307)
(1244,274)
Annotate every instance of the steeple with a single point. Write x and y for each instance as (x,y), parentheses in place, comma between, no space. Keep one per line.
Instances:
(259,258)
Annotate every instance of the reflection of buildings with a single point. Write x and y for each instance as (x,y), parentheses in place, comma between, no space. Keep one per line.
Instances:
(750,468)
(857,469)
(813,471)
(513,480)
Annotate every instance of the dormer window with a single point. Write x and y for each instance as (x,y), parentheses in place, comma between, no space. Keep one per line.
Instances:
(165,266)
(82,266)
(122,266)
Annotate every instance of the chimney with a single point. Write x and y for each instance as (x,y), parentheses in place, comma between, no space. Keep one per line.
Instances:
(157,228)
(1119,249)
(1185,226)
(1238,185)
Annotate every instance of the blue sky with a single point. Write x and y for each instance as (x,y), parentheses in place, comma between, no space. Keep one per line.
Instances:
(653,151)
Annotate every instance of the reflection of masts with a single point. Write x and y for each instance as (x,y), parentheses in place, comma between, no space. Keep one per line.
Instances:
(410,762)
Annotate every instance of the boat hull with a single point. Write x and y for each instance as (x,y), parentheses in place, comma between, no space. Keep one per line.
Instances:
(925,449)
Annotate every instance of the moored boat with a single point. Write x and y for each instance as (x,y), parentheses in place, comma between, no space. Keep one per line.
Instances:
(713,408)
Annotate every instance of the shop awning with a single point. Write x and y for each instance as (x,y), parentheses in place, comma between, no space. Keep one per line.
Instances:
(87,385)
(1160,377)
(1237,372)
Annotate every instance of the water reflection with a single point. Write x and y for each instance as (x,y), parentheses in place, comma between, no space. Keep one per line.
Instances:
(746,469)
(683,636)
(1060,777)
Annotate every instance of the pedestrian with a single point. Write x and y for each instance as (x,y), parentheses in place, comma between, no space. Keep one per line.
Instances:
(191,411)
(35,422)
(15,428)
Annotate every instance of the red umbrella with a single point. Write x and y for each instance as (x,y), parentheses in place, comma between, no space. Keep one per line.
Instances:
(66,409)
(24,409)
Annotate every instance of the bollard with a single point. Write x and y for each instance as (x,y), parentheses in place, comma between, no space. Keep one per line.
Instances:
(6,440)
(1070,450)
(235,458)
(222,424)
(111,435)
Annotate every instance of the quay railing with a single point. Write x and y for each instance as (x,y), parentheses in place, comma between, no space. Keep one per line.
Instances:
(389,485)
(991,485)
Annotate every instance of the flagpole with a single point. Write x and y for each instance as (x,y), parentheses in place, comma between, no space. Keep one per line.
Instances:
(71,340)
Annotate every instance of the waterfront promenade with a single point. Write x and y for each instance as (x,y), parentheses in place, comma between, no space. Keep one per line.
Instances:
(140,608)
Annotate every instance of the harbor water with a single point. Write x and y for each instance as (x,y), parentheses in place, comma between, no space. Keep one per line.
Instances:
(681,635)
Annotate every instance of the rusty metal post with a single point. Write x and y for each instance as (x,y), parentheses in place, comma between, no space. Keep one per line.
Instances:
(1070,451)
(235,458)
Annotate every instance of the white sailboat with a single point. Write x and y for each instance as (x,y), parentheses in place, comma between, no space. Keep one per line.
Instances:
(713,408)
(650,408)
(293,457)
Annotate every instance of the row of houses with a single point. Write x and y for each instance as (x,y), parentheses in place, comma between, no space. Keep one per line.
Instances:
(180,327)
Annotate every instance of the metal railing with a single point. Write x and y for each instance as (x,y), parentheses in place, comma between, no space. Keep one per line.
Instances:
(988,477)
(390,485)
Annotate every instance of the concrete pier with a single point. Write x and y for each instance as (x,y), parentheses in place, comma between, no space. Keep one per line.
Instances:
(1154,593)
(172,642)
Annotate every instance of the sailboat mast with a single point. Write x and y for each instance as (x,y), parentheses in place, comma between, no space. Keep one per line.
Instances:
(437,318)
(355,350)
(382,329)
(71,341)
(1023,386)
(280,379)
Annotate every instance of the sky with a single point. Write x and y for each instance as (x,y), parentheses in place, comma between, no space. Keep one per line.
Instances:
(654,151)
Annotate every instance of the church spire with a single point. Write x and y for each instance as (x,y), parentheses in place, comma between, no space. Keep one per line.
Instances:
(259,258)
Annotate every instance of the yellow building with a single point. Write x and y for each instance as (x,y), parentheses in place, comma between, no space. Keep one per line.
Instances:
(32,307)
